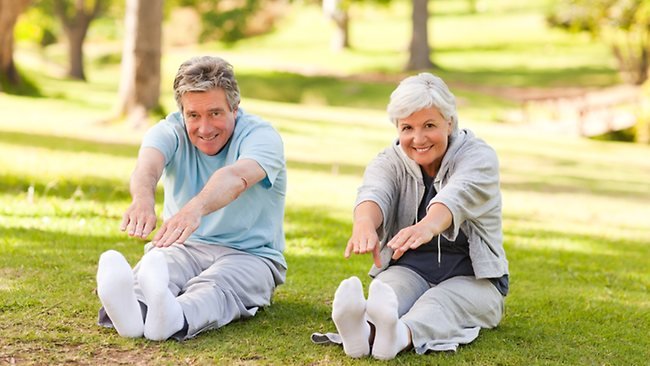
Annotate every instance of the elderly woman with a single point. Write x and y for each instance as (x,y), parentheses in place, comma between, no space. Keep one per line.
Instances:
(429,211)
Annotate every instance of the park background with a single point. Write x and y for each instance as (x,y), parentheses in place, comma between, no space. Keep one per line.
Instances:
(575,203)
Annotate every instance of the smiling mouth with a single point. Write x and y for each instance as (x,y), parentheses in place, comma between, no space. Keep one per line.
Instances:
(208,138)
(422,149)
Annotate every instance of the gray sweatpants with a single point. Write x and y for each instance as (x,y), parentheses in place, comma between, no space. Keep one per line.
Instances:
(453,310)
(215,285)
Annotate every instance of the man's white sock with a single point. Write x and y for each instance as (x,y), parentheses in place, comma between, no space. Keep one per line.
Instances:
(115,290)
(391,334)
(164,312)
(349,315)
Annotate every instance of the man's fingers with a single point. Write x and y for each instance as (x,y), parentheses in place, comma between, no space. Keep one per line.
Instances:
(148,228)
(348,249)
(184,234)
(159,235)
(125,221)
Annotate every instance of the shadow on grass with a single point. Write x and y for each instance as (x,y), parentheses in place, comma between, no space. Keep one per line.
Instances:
(632,191)
(335,168)
(523,77)
(321,90)
(68,144)
(74,188)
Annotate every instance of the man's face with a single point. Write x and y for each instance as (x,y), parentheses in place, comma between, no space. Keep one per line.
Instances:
(208,120)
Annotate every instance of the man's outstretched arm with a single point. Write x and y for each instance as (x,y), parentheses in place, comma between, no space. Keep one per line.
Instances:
(223,187)
(139,220)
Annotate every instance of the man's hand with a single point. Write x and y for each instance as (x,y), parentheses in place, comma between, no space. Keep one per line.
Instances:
(139,220)
(178,228)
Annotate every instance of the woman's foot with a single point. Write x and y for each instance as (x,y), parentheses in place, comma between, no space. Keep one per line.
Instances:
(349,315)
(391,334)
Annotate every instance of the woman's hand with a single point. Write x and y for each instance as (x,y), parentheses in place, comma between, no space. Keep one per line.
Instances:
(410,237)
(364,240)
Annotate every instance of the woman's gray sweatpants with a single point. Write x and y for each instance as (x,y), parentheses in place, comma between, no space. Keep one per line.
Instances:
(443,313)
(215,285)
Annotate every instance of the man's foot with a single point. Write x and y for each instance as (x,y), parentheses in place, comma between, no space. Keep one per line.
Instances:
(391,334)
(164,312)
(115,290)
(349,315)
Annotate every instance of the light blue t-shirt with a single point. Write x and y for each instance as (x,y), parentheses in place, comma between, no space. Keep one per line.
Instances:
(252,222)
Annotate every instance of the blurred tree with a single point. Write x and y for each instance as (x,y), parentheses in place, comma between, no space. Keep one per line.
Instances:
(139,91)
(9,12)
(338,12)
(231,20)
(76,15)
(623,24)
(419,50)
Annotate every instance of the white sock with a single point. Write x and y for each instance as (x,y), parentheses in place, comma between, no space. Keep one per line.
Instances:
(115,290)
(349,315)
(164,312)
(391,334)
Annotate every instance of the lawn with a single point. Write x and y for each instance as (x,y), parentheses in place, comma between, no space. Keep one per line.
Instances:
(575,211)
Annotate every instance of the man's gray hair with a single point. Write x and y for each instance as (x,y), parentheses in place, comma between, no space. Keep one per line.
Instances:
(419,92)
(204,73)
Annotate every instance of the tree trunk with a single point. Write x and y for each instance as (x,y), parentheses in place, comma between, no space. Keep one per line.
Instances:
(335,10)
(9,12)
(341,38)
(419,48)
(76,22)
(75,53)
(140,76)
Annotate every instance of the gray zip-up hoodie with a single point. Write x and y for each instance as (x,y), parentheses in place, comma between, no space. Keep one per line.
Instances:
(467,184)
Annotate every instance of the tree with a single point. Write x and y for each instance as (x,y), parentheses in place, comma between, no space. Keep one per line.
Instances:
(419,50)
(76,17)
(337,11)
(139,91)
(9,12)
(623,24)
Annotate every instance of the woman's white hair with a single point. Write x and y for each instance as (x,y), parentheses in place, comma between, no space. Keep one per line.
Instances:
(419,92)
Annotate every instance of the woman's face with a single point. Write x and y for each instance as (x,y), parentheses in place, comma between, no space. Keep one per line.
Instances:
(424,137)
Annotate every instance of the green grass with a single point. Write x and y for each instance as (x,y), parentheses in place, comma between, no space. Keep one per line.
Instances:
(575,211)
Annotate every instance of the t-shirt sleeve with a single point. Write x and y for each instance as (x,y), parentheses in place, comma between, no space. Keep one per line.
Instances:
(264,145)
(162,137)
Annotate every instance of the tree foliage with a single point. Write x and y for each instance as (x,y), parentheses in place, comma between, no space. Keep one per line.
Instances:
(231,20)
(623,24)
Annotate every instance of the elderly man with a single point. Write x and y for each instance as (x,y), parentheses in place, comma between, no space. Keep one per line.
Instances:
(218,255)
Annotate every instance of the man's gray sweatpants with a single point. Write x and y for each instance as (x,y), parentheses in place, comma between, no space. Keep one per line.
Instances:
(452,311)
(215,285)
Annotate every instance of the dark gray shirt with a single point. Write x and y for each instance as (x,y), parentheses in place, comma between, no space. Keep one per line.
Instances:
(455,259)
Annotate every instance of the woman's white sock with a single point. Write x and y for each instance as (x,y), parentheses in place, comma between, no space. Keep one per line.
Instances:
(391,334)
(115,290)
(164,312)
(349,315)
